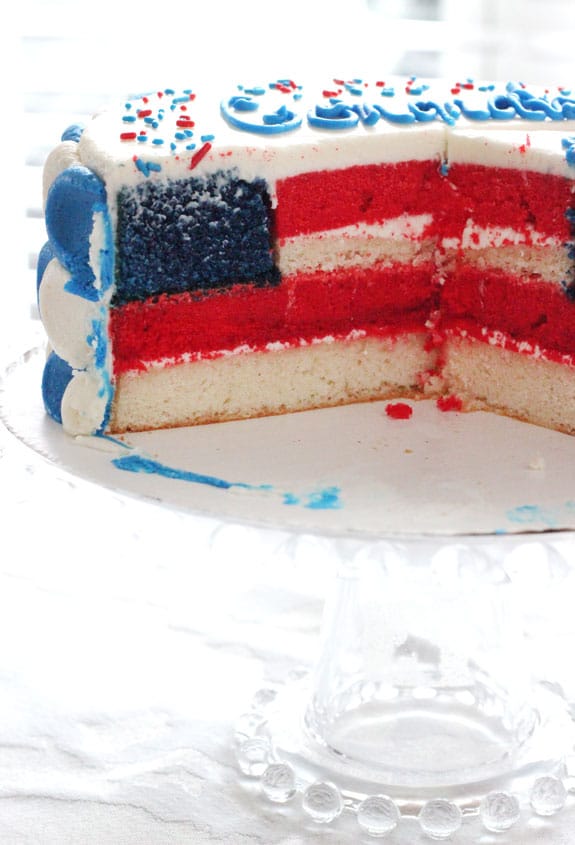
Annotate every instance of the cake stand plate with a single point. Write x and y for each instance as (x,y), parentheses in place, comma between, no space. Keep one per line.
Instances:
(400,500)
(352,470)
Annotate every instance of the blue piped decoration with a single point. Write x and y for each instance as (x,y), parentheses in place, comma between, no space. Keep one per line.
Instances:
(73,132)
(337,116)
(45,256)
(74,197)
(501,108)
(246,114)
(472,114)
(55,379)
(426,111)
(396,117)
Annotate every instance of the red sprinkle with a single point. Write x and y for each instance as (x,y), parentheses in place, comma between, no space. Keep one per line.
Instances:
(185,122)
(144,112)
(449,403)
(198,156)
(128,136)
(398,410)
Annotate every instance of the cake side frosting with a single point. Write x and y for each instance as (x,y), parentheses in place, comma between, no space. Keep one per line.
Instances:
(281,169)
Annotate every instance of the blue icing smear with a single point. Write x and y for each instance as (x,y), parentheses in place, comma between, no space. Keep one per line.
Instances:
(536,515)
(328,499)
(323,499)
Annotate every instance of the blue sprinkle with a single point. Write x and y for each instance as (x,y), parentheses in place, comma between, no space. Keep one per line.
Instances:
(129,118)
(205,138)
(146,167)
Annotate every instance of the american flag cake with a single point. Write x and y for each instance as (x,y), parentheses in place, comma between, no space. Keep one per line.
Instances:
(224,255)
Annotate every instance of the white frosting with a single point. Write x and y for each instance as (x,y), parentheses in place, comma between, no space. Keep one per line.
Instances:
(59,159)
(68,319)
(537,147)
(83,404)
(482,237)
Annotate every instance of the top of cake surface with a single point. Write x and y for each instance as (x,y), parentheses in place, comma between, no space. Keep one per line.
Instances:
(168,132)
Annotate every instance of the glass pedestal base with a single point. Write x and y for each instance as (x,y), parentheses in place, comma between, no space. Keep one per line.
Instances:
(407,762)
(423,703)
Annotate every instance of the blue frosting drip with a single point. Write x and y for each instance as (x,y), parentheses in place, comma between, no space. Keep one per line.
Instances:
(55,379)
(74,197)
(73,132)
(323,499)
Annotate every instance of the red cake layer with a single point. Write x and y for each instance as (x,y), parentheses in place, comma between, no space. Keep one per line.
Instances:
(330,199)
(491,196)
(527,309)
(303,307)
(505,198)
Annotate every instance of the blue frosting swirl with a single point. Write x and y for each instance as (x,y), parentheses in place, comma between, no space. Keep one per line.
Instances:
(244,112)
(74,197)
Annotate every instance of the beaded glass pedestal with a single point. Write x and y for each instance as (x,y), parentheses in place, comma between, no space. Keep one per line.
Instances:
(423,702)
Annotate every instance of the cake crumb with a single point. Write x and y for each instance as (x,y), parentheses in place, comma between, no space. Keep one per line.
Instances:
(449,403)
(537,463)
(398,410)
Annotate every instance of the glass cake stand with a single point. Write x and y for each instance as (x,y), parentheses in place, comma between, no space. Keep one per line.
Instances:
(429,701)
(424,702)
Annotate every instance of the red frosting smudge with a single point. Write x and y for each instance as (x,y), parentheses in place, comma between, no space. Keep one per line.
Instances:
(398,410)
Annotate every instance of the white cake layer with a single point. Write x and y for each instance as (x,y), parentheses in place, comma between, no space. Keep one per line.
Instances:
(239,386)
(395,240)
(486,376)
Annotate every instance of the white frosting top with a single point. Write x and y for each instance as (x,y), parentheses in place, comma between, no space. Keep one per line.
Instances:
(168,135)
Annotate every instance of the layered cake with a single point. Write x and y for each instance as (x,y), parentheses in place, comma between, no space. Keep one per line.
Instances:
(262,250)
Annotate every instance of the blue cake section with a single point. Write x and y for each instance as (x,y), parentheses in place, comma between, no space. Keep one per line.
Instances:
(199,234)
